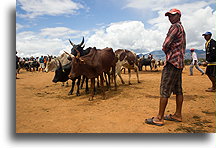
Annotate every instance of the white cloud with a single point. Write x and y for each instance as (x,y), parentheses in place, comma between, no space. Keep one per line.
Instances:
(150,4)
(47,41)
(60,32)
(36,8)
(127,35)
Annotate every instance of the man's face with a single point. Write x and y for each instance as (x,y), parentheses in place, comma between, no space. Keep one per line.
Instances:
(173,18)
(207,37)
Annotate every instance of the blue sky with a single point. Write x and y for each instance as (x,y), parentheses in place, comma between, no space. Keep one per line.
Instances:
(44,26)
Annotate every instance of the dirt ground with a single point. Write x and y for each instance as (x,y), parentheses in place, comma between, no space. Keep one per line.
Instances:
(45,107)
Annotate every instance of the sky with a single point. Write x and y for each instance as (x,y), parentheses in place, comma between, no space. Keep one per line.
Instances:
(43,27)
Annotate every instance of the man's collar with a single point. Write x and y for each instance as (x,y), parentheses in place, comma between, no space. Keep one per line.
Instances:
(209,40)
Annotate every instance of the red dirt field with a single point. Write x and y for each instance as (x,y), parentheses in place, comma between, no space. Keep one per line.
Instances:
(45,107)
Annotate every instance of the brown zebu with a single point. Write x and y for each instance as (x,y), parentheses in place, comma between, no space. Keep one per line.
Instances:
(93,65)
(126,59)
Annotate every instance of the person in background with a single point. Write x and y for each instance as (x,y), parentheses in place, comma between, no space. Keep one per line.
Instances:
(194,62)
(45,61)
(17,65)
(171,79)
(210,46)
(41,61)
(150,56)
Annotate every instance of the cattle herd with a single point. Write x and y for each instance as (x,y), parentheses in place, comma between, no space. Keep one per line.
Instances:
(98,65)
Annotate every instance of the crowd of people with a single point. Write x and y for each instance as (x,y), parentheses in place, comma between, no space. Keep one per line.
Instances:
(32,63)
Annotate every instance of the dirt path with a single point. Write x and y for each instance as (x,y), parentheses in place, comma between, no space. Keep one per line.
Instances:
(44,107)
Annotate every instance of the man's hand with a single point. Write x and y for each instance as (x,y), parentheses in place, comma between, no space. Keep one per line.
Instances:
(204,64)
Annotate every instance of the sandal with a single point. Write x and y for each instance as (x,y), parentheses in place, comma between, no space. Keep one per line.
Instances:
(152,122)
(170,118)
(210,90)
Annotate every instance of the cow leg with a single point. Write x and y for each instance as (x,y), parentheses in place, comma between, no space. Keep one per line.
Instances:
(114,76)
(152,66)
(18,71)
(105,75)
(92,89)
(98,82)
(119,74)
(87,88)
(140,68)
(72,87)
(83,80)
(129,73)
(137,74)
(102,86)
(107,80)
(78,86)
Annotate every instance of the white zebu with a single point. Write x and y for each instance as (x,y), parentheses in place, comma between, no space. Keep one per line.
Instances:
(126,59)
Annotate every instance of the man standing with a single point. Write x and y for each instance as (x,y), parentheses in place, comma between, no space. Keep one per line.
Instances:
(194,62)
(41,61)
(210,59)
(171,80)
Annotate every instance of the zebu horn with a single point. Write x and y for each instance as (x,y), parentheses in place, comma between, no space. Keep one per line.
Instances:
(69,54)
(71,42)
(82,42)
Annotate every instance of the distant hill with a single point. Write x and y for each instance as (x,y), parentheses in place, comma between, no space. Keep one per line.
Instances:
(159,54)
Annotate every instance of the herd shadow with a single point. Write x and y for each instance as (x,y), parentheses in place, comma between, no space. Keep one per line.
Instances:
(56,91)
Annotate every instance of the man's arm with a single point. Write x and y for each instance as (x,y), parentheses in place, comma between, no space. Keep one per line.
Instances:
(170,37)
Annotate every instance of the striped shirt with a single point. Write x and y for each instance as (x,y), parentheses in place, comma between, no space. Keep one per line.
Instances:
(174,45)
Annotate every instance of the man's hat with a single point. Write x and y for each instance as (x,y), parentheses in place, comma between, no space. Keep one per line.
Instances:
(192,49)
(207,33)
(173,11)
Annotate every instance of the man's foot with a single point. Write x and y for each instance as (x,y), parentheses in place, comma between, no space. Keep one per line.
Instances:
(154,121)
(202,74)
(171,117)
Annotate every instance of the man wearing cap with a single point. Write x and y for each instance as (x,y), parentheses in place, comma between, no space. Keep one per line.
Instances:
(194,62)
(210,59)
(171,79)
